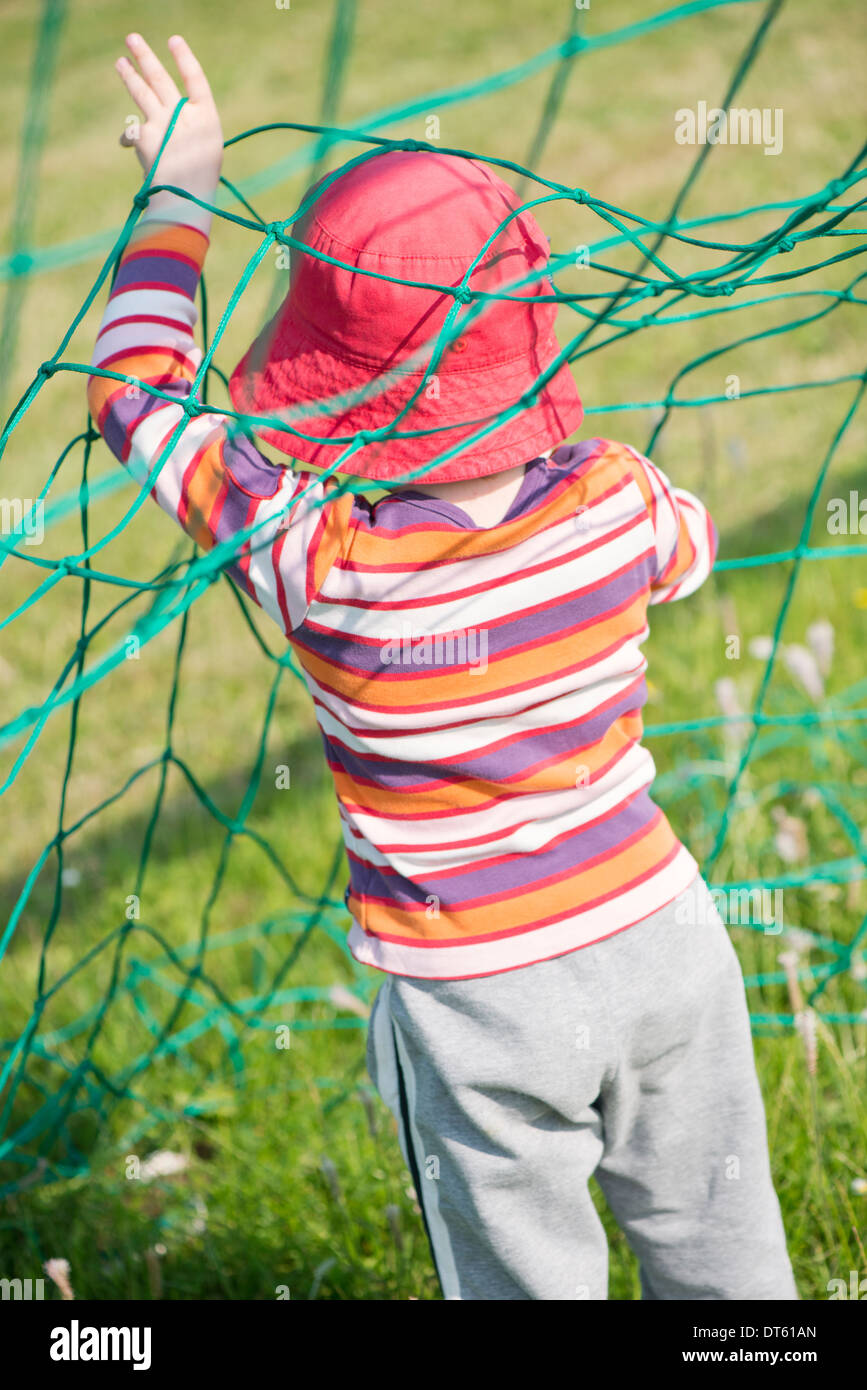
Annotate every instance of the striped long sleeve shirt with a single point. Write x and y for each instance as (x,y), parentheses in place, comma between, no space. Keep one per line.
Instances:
(479,690)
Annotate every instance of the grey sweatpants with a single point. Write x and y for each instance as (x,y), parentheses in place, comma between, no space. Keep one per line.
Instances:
(630,1059)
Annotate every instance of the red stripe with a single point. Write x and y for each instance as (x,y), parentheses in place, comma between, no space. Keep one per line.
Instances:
(447,846)
(495,582)
(348,565)
(492,899)
(276,552)
(543,922)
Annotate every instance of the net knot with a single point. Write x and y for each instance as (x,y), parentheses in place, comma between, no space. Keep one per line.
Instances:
(141,200)
(412,145)
(464,294)
(786,243)
(725,287)
(46,369)
(835,188)
(578,195)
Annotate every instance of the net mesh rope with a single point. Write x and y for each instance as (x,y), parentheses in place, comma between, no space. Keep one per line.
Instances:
(48,1076)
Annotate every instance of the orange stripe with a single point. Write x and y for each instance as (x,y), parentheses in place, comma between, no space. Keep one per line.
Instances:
(626,460)
(473,792)
(514,911)
(333,535)
(184,241)
(406,689)
(202,491)
(157,368)
(682,559)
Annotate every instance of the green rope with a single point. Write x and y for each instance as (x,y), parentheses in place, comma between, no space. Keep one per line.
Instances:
(35,124)
(51,1078)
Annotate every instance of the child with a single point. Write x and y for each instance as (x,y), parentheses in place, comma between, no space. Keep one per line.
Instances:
(561,998)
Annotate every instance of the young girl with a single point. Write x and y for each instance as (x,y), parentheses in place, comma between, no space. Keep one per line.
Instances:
(561,998)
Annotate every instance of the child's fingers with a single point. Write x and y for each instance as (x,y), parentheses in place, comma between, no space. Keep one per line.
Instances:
(153,71)
(145,99)
(190,69)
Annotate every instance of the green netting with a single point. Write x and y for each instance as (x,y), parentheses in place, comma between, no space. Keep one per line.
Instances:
(49,1077)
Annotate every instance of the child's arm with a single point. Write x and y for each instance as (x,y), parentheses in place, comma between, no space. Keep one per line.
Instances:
(686,537)
(212,485)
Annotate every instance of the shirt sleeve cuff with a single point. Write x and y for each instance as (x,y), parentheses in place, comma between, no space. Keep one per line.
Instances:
(171,207)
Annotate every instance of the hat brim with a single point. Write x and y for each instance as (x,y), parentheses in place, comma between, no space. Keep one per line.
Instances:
(285,373)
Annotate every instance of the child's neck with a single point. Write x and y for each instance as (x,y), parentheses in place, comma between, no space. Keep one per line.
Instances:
(485,500)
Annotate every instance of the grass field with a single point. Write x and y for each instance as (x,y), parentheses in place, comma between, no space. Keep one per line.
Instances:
(293,1177)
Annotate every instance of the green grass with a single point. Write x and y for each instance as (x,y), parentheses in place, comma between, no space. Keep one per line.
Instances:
(255,1211)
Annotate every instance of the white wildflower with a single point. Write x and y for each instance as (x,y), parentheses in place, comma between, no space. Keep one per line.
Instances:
(343,998)
(820,640)
(163,1164)
(58,1272)
(727,697)
(791,837)
(803,666)
(761,648)
(329,1172)
(799,939)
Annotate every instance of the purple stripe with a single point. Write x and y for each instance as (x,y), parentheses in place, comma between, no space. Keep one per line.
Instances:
(495,767)
(157,268)
(347,652)
(250,470)
(233,517)
(128,411)
(505,878)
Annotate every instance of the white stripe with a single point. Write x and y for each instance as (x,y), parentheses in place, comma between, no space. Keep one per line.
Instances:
(476,727)
(145,443)
(542,547)
(145,305)
(501,601)
(383,1051)
(694,516)
(127,339)
(502,817)
(271,510)
(429,1198)
(299,525)
(566,811)
(526,947)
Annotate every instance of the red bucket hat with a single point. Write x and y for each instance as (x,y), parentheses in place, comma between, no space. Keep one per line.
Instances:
(423,216)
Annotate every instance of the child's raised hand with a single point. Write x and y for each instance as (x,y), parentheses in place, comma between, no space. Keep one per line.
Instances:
(193,157)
